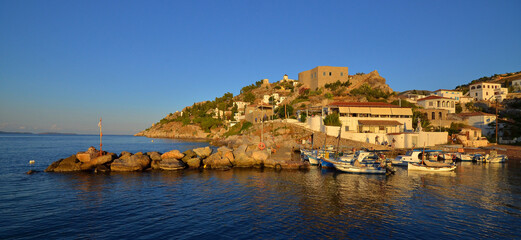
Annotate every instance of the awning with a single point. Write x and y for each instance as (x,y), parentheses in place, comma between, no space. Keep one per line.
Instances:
(381,111)
(360,110)
(401,111)
(379,122)
(344,110)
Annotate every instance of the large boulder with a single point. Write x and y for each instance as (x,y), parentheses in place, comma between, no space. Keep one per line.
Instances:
(203,152)
(217,161)
(260,155)
(172,154)
(154,156)
(69,164)
(171,164)
(107,158)
(88,155)
(125,155)
(136,162)
(193,162)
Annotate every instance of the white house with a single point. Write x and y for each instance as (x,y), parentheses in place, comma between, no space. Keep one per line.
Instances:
(436,102)
(376,122)
(487,91)
(480,120)
(456,95)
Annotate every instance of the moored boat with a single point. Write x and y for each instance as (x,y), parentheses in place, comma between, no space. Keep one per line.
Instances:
(430,166)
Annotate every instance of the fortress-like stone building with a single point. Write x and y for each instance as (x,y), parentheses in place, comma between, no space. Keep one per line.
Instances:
(321,75)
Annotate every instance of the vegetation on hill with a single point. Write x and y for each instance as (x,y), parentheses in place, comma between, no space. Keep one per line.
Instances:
(370,93)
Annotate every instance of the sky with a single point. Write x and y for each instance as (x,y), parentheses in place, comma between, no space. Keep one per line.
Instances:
(65,64)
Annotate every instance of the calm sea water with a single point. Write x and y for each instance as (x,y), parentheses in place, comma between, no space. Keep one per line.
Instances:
(476,201)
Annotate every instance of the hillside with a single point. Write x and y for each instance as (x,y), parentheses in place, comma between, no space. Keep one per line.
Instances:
(208,119)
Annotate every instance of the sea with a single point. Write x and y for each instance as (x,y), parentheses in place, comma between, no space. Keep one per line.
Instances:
(476,201)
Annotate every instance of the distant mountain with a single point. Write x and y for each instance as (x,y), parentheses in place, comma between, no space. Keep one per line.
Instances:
(56,133)
(2,132)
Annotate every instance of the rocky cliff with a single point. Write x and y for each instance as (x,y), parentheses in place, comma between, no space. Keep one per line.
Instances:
(373,79)
(175,130)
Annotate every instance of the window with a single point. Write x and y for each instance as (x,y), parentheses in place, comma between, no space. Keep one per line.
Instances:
(381,128)
(439,115)
(329,73)
(433,115)
(473,87)
(430,104)
(324,73)
(347,129)
(341,74)
(452,104)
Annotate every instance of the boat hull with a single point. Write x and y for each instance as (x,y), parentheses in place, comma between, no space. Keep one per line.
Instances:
(419,167)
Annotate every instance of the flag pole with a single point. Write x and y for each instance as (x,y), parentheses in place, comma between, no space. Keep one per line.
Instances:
(100,135)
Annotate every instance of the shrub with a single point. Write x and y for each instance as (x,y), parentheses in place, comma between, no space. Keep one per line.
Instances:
(334,86)
(328,96)
(332,120)
(369,92)
(303,117)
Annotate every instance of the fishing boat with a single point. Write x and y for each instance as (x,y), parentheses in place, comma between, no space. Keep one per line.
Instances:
(364,167)
(464,157)
(431,166)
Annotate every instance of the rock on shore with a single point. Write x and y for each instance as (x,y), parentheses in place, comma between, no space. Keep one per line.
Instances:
(243,153)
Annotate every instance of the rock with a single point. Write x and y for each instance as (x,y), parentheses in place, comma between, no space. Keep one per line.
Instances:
(216,161)
(260,155)
(203,152)
(154,164)
(154,156)
(194,162)
(101,169)
(31,172)
(125,155)
(243,160)
(189,154)
(172,154)
(134,163)
(88,155)
(171,164)
(98,161)
(69,164)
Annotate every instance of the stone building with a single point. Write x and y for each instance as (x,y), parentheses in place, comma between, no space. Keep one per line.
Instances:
(321,75)
(256,113)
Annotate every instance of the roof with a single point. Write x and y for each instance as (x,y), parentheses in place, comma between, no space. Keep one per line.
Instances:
(379,122)
(447,90)
(472,114)
(433,97)
(362,104)
(483,82)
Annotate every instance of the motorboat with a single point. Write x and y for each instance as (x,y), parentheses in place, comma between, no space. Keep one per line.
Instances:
(411,156)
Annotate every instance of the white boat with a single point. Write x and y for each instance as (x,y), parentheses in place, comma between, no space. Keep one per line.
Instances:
(364,167)
(431,166)
(313,159)
(412,156)
(495,158)
(464,157)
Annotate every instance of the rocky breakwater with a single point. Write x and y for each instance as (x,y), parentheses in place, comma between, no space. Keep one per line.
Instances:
(242,152)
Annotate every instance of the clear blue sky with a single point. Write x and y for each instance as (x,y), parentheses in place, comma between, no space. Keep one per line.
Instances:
(63,64)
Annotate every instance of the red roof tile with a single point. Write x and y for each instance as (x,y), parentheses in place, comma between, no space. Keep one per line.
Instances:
(363,104)
(379,122)
(433,97)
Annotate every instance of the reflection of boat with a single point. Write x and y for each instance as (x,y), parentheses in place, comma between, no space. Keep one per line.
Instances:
(431,166)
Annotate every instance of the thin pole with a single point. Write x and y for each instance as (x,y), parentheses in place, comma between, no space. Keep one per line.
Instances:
(497,123)
(100,141)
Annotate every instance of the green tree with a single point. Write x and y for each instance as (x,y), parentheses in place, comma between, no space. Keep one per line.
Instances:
(303,116)
(284,110)
(249,97)
(458,108)
(332,120)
